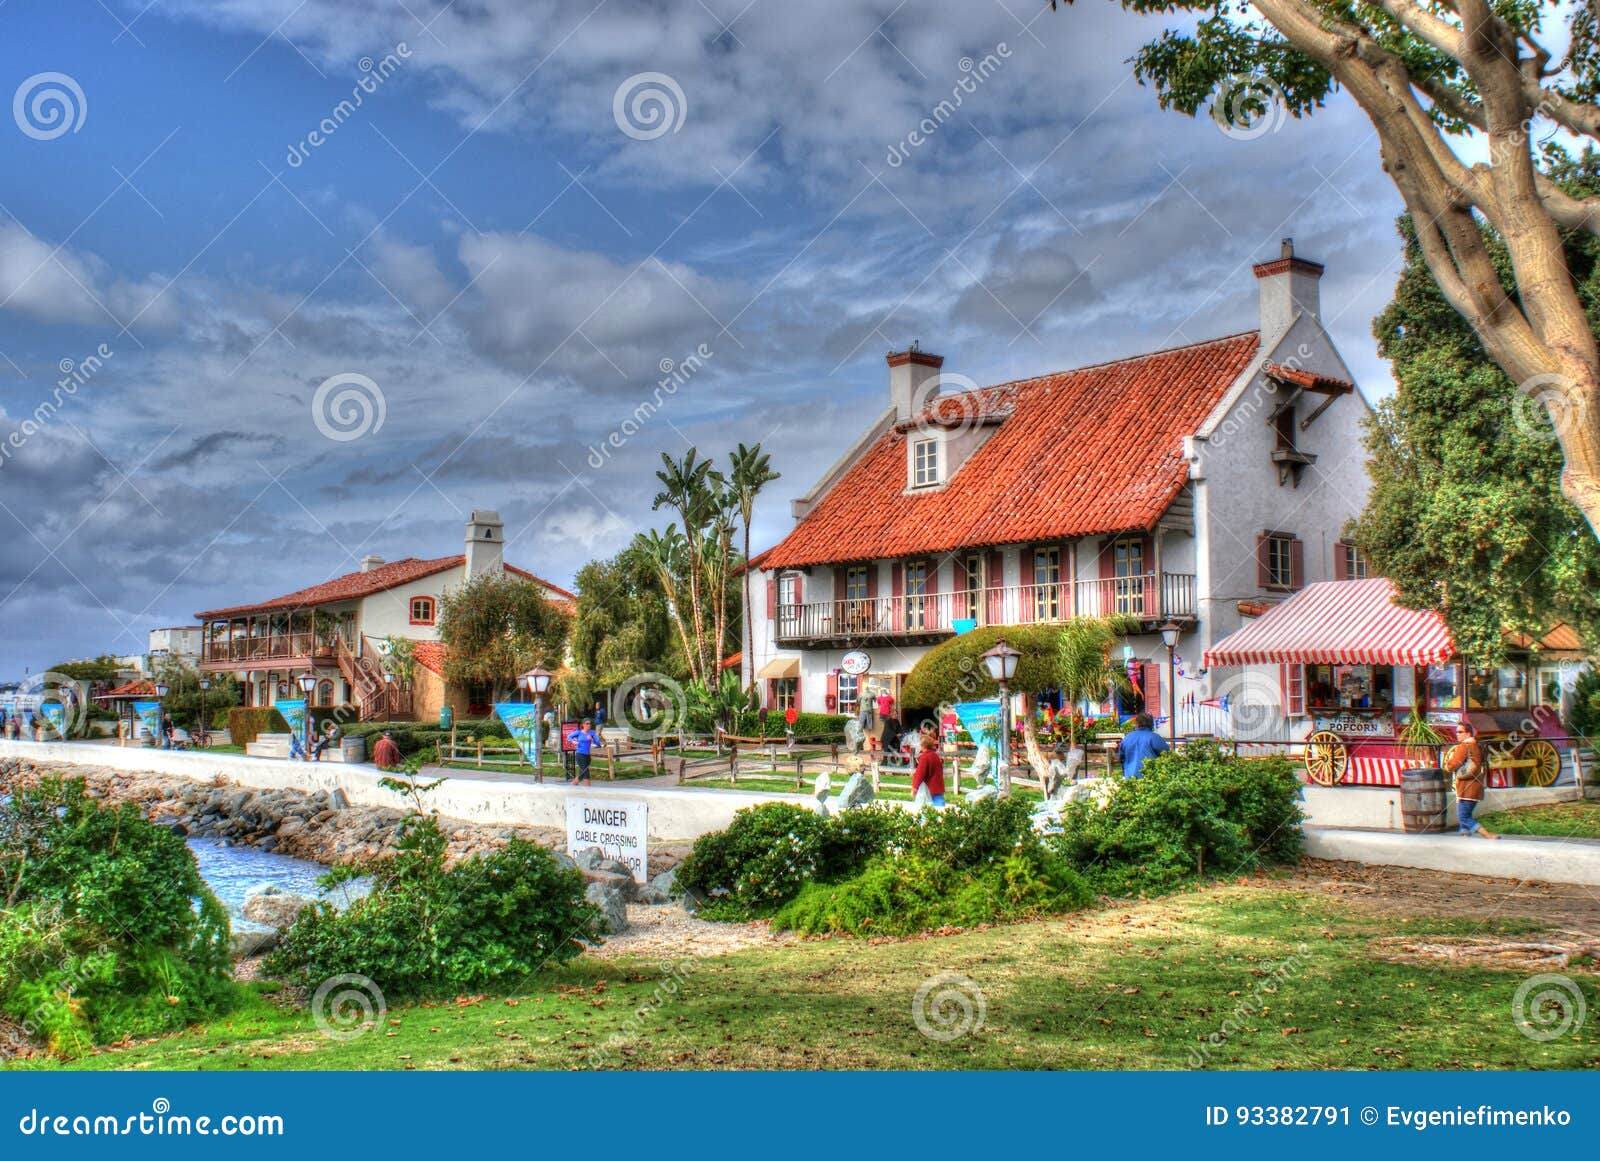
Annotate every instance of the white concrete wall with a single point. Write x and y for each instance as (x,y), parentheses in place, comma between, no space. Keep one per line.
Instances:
(674,814)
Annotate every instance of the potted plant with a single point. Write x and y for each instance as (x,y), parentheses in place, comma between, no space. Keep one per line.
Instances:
(324,628)
(1421,739)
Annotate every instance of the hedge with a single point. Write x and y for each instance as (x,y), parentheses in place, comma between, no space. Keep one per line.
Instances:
(806,725)
(246,722)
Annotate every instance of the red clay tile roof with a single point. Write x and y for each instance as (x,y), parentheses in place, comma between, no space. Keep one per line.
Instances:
(1084,452)
(132,689)
(1307,379)
(429,655)
(352,585)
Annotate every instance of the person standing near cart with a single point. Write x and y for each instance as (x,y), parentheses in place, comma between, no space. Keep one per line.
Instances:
(1465,760)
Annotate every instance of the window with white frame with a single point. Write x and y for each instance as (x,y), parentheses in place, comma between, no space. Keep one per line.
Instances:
(1047,579)
(924,463)
(785,693)
(1352,565)
(849,694)
(916,575)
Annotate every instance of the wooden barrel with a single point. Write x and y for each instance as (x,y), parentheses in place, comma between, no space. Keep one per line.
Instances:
(1423,800)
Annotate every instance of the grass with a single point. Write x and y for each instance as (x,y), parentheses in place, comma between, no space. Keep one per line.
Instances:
(1140,985)
(1560,820)
(597,771)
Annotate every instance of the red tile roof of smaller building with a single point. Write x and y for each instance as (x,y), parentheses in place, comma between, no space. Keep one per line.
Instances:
(354,585)
(1077,453)
(1310,380)
(430,655)
(130,690)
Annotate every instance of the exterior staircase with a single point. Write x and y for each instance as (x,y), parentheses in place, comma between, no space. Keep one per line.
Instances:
(363,669)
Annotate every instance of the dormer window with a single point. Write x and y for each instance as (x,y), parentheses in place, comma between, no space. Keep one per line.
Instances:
(924,463)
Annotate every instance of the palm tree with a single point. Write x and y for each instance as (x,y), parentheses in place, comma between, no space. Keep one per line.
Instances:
(751,472)
(686,485)
(1084,668)
(664,554)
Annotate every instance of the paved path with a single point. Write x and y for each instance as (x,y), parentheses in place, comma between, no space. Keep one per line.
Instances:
(1544,860)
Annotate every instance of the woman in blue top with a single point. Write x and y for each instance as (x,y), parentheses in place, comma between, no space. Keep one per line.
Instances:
(584,740)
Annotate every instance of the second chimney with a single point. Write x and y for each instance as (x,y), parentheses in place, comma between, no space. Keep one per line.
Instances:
(913,381)
(1288,288)
(368,563)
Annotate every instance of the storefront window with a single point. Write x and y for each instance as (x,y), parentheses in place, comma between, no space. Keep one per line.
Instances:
(1505,687)
(1444,687)
(1334,687)
(784,692)
(849,694)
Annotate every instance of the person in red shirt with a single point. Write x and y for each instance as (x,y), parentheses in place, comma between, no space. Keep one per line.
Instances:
(929,771)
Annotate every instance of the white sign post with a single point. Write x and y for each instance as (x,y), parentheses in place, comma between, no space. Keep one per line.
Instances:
(619,828)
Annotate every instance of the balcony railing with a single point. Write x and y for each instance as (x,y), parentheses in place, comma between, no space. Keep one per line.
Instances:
(265,648)
(1150,598)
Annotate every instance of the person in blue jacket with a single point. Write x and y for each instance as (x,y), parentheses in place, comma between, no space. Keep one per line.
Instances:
(1139,745)
(584,740)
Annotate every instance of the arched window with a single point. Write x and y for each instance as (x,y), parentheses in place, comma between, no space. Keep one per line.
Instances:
(324,692)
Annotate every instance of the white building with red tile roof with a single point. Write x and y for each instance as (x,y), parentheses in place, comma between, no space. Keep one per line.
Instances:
(1168,486)
(335,629)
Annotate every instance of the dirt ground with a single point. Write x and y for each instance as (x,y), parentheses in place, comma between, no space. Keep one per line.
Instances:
(1406,891)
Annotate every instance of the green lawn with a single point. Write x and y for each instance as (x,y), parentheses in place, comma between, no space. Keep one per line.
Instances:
(1562,820)
(1142,985)
(597,771)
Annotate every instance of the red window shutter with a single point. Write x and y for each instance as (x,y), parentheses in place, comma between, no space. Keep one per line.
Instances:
(797,706)
(930,606)
(1147,565)
(897,588)
(841,582)
(772,598)
(1030,579)
(832,703)
(1108,558)
(1341,569)
(1294,689)
(1297,564)
(772,693)
(1152,689)
(872,580)
(1263,562)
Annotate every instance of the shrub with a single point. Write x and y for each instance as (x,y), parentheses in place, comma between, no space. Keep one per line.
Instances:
(969,835)
(1585,718)
(806,725)
(110,931)
(1195,810)
(430,930)
(763,859)
(245,723)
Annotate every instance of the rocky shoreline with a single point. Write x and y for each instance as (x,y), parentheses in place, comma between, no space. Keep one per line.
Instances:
(320,826)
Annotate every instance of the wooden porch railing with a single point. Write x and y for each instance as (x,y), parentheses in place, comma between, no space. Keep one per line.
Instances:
(1149,597)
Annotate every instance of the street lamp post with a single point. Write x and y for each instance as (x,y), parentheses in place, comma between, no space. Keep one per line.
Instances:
(1170,632)
(1001,662)
(308,686)
(388,694)
(537,682)
(162,689)
(205,684)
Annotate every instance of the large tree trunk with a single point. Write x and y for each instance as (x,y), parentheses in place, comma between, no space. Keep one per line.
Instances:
(747,622)
(1030,736)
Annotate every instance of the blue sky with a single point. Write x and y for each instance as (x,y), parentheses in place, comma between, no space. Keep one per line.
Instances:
(508,262)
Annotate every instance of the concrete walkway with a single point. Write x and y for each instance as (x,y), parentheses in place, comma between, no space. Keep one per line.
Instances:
(1544,860)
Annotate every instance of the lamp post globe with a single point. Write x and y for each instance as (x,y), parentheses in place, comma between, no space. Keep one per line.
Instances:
(201,734)
(1170,632)
(308,685)
(1001,663)
(537,682)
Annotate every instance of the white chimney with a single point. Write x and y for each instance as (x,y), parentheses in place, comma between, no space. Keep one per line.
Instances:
(368,563)
(1288,288)
(913,381)
(485,543)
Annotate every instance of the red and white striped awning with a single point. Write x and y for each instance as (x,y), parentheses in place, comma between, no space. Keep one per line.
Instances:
(1338,623)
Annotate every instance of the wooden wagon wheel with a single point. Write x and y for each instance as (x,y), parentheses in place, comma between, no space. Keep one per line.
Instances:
(1547,762)
(1326,758)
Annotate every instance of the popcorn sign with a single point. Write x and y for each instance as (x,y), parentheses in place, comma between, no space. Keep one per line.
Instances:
(617,827)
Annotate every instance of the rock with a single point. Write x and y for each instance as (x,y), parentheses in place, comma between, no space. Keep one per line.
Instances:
(339,800)
(612,900)
(175,827)
(251,941)
(275,908)
(659,889)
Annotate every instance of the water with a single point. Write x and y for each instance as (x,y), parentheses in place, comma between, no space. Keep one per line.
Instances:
(234,873)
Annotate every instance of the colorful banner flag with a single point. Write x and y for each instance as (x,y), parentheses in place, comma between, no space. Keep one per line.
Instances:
(294,712)
(149,713)
(522,719)
(56,714)
(979,717)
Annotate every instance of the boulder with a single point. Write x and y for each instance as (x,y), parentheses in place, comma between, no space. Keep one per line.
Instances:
(612,899)
(275,907)
(248,942)
(659,889)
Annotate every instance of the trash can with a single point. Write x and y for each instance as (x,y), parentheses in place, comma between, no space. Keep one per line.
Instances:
(447,717)
(1423,800)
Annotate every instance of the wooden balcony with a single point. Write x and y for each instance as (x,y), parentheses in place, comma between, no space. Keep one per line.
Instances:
(266,651)
(1149,599)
